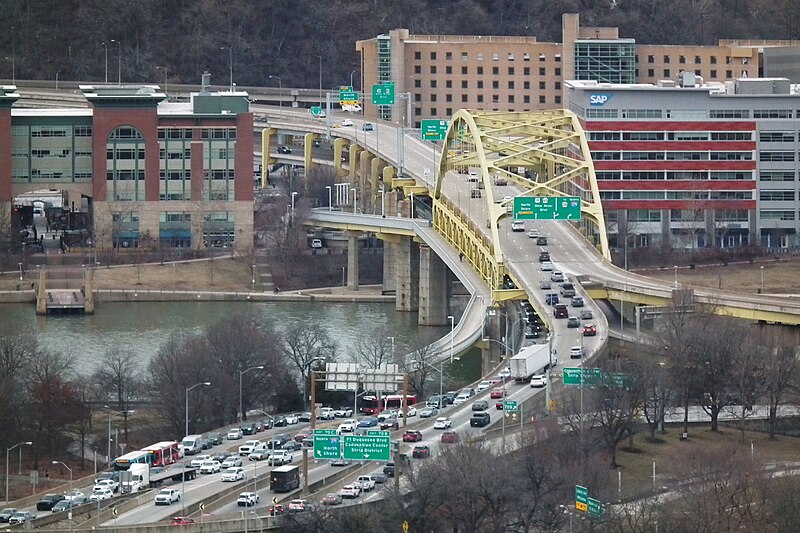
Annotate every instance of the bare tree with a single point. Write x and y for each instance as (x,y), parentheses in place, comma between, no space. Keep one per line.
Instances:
(374,350)
(302,343)
(780,371)
(655,387)
(119,374)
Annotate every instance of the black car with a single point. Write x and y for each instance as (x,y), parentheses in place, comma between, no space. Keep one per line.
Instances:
(284,150)
(480,405)
(449,397)
(541,241)
(480,419)
(249,429)
(267,423)
(280,422)
(215,438)
(220,456)
(551,298)
(544,256)
(305,417)
(48,501)
(573,322)
(388,469)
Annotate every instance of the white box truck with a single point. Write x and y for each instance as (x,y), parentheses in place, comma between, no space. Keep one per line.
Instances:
(136,478)
(532,360)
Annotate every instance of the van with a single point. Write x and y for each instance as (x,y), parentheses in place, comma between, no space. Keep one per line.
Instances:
(192,444)
(480,419)
(568,290)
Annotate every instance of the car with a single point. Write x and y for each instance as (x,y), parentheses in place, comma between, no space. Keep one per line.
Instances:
(500,182)
(276,509)
(280,421)
(350,491)
(586,314)
(388,469)
(544,256)
(573,322)
(326,413)
(412,435)
(247,447)
(483,385)
(293,418)
(300,437)
(347,123)
(518,225)
(48,501)
(497,392)
(365,483)
(551,298)
(367,126)
(538,381)
(541,241)
(284,150)
(167,497)
(234,434)
(249,429)
(305,417)
(576,352)
(316,244)
(499,405)
(506,199)
(567,290)
(332,498)
(480,419)
(533,233)
(545,284)
(589,330)
(6,513)
(378,477)
(505,373)
(461,398)
(99,494)
(247,499)
(298,506)
(480,405)
(390,424)
(557,277)
(442,423)
(412,411)
(560,311)
(368,422)
(111,484)
(348,426)
(181,521)
(210,467)
(18,517)
(449,397)
(546,266)
(221,457)
(291,445)
(343,412)
(233,474)
(577,301)
(65,505)
(352,108)
(259,454)
(428,412)
(449,437)
(472,176)
(231,462)
(340,462)
(107,475)
(421,451)
(280,457)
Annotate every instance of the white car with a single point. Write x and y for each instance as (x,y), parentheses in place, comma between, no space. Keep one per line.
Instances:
(101,494)
(352,108)
(412,411)
(538,381)
(518,225)
(293,418)
(198,461)
(442,423)
(210,467)
(350,491)
(461,398)
(109,484)
(343,412)
(233,474)
(365,483)
(348,426)
(533,233)
(505,373)
(248,447)
(280,457)
(73,494)
(167,497)
(235,434)
(546,266)
(247,499)
(347,122)
(576,352)
(483,385)
(326,413)
(231,462)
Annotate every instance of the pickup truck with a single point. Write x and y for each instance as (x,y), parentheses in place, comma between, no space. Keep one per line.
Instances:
(167,497)
(248,447)
(280,457)
(365,483)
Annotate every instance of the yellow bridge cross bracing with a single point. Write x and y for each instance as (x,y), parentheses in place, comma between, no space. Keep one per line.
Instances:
(544,152)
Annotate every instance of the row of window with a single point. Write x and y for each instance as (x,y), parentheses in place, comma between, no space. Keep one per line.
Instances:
(51,131)
(687,215)
(676,195)
(777,214)
(510,71)
(448,84)
(676,175)
(188,133)
(777,196)
(670,136)
(679,156)
(682,114)
(510,56)
(511,99)
(449,110)
(682,59)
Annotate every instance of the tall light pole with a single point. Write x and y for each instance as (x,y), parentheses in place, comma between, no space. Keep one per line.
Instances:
(70,489)
(383,203)
(355,200)
(320,76)
(242,373)
(105,45)
(20,271)
(762,279)
(452,320)
(166,70)
(675,270)
(280,89)
(351,77)
(204,383)
(119,61)
(294,193)
(330,198)
(8,450)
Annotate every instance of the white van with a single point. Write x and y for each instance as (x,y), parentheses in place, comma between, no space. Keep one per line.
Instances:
(192,444)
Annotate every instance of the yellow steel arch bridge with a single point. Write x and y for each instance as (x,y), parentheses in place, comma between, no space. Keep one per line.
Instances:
(544,152)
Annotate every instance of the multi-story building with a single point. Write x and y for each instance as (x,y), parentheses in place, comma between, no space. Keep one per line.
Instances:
(147,171)
(444,73)
(695,164)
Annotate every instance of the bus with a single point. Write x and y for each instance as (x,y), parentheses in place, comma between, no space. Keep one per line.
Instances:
(158,454)
(371,406)
(124,462)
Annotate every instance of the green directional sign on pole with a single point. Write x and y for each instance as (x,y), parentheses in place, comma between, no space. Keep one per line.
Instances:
(368,447)
(547,208)
(434,130)
(581,498)
(327,444)
(572,376)
(347,96)
(383,94)
(510,406)
(316,111)
(595,507)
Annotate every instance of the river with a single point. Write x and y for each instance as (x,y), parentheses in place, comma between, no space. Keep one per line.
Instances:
(144,326)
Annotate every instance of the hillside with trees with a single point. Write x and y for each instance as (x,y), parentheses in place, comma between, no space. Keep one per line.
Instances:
(73,38)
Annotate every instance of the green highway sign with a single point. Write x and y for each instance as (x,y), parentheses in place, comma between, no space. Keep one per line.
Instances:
(547,208)
(316,111)
(368,447)
(378,433)
(327,446)
(383,94)
(325,432)
(581,498)
(510,406)
(434,130)
(595,507)
(572,376)
(347,96)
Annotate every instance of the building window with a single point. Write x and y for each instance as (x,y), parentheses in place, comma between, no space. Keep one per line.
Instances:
(433,98)
(728,74)
(433,56)
(464,71)
(417,97)
(495,71)
(480,98)
(526,99)
(448,111)
(465,84)
(417,56)
(776,136)
(417,111)
(667,73)
(526,71)
(433,69)
(511,57)
(696,60)
(479,57)
(713,73)
(651,73)
(417,69)
(526,85)
(495,84)
(510,71)
(464,98)
(558,86)
(542,99)
(448,84)
(433,84)
(666,60)
(542,58)
(775,156)
(777,214)
(511,85)
(495,57)
(448,56)
(542,71)
(542,86)
(651,59)
(526,57)
(448,70)
(682,60)
(776,196)
(433,112)
(464,56)
(713,60)
(510,98)
(558,99)
(558,71)
(480,84)
(448,98)
(480,71)
(418,83)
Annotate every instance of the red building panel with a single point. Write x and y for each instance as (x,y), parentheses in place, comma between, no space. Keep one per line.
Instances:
(614,205)
(673,146)
(637,125)
(674,165)
(243,186)
(675,185)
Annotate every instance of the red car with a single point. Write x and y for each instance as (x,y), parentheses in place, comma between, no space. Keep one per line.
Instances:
(412,436)
(499,405)
(275,510)
(300,437)
(449,437)
(589,330)
(421,452)
(497,392)
(181,521)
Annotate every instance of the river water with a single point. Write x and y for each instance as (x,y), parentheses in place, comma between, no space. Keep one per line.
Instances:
(144,326)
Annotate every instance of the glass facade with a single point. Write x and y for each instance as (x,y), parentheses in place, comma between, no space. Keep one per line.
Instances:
(59,153)
(384,70)
(606,61)
(125,169)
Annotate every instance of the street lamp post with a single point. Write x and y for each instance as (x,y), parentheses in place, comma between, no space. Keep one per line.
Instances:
(294,193)
(351,78)
(119,61)
(70,489)
(330,198)
(320,76)
(440,370)
(20,271)
(105,45)
(242,373)
(8,450)
(253,278)
(205,383)
(675,270)
(452,319)
(166,70)
(280,89)
(383,203)
(762,279)
(355,200)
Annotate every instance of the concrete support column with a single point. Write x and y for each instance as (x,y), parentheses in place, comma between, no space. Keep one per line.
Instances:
(432,289)
(353,249)
(407,275)
(493,328)
(389,270)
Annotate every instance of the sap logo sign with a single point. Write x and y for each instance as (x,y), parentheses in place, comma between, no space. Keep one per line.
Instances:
(599,99)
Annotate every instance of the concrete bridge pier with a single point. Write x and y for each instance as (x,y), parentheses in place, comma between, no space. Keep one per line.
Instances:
(389,270)
(352,260)
(433,295)
(407,275)
(492,350)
